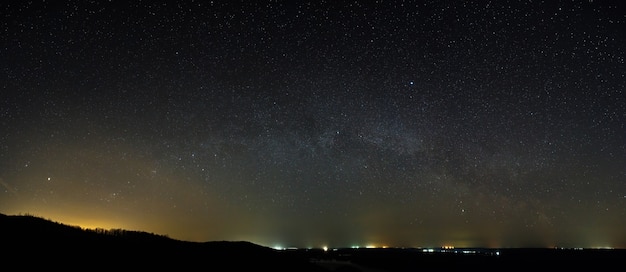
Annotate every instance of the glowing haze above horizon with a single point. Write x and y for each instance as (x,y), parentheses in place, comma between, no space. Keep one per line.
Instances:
(322,123)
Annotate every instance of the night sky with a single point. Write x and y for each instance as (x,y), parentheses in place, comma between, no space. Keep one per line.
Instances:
(323,123)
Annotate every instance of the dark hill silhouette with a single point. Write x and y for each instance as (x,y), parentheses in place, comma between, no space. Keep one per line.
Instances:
(30,242)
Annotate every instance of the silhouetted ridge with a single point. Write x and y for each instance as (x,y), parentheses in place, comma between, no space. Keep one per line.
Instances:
(30,242)
(34,242)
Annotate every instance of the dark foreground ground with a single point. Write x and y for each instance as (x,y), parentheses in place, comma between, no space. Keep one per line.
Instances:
(516,259)
(30,243)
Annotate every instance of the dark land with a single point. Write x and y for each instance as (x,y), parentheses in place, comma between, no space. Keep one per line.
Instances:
(30,242)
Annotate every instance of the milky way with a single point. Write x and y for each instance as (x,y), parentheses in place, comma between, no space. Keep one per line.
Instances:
(314,124)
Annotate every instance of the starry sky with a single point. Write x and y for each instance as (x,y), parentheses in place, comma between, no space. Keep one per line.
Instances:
(319,123)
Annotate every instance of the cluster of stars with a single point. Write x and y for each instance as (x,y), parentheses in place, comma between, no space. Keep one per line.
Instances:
(301,122)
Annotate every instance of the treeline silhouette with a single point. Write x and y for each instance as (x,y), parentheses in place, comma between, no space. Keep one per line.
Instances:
(30,242)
